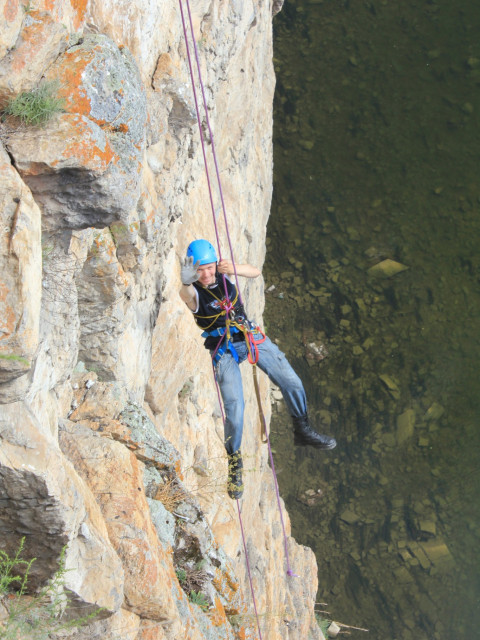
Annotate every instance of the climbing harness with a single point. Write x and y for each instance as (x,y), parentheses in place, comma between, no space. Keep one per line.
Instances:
(252,334)
(235,324)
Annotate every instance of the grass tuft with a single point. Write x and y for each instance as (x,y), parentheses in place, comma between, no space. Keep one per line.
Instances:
(36,107)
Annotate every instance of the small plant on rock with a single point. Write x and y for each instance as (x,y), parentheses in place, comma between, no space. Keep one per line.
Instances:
(37,106)
(170,493)
(33,616)
(192,578)
(181,575)
(198,598)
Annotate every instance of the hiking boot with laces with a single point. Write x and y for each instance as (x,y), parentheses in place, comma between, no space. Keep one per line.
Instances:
(234,481)
(304,435)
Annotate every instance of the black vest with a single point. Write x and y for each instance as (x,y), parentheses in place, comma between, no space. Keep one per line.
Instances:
(210,306)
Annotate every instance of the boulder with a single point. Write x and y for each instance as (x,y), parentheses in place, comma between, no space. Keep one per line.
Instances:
(386,268)
(85,166)
(405,426)
(45,501)
(115,477)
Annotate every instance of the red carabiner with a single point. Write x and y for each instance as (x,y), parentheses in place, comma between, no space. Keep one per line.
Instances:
(253,359)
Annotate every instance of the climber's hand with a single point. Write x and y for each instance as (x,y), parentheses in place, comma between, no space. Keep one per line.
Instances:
(225,267)
(188,271)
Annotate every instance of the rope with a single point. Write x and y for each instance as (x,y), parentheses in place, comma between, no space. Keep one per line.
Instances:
(252,358)
(248,569)
(220,257)
(214,154)
(263,422)
(247,561)
(197,110)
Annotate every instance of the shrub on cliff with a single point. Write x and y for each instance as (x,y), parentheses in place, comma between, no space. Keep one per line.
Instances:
(33,616)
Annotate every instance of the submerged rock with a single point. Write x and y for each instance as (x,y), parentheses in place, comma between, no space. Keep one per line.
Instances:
(386,269)
(405,425)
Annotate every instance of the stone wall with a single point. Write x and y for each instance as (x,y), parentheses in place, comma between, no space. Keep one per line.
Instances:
(110,428)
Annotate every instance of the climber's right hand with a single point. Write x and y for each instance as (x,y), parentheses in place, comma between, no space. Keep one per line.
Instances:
(188,271)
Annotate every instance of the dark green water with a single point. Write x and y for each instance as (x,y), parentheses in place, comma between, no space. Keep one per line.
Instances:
(377,156)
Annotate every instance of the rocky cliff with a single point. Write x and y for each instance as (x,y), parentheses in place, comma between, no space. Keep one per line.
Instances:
(110,428)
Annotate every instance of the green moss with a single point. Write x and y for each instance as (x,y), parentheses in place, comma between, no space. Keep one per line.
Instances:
(13,358)
(181,575)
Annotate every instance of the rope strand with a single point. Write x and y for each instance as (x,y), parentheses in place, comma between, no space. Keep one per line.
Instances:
(220,190)
(197,110)
(214,154)
(248,569)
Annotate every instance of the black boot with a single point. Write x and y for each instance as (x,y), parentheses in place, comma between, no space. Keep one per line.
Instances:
(304,435)
(234,481)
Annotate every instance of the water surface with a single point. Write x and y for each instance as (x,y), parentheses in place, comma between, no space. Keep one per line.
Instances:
(376,157)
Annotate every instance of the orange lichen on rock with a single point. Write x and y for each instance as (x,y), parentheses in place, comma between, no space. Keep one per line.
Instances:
(80,8)
(85,149)
(229,589)
(10,10)
(103,244)
(217,615)
(35,36)
(70,74)
(178,469)
(7,314)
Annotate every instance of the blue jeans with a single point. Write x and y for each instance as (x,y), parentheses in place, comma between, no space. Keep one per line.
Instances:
(274,363)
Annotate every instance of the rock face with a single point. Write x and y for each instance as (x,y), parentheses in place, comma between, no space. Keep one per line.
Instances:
(20,283)
(111,438)
(85,167)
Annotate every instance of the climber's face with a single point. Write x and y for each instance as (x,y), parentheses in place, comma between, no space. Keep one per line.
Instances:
(206,274)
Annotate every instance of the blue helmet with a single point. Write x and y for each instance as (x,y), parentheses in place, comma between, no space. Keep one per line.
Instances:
(202,251)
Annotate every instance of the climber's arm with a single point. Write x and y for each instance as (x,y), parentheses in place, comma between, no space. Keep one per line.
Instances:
(189,296)
(245,270)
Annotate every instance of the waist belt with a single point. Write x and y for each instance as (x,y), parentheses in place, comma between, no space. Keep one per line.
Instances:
(236,336)
(218,333)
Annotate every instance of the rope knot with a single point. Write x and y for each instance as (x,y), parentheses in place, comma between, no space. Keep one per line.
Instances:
(227,306)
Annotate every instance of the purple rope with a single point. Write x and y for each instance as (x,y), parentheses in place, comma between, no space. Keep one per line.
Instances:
(199,124)
(225,286)
(248,569)
(197,110)
(207,119)
(238,508)
(289,570)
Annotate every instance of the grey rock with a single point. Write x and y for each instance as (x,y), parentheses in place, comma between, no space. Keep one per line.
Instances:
(164,522)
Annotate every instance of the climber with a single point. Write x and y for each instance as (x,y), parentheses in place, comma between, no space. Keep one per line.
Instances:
(203,290)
